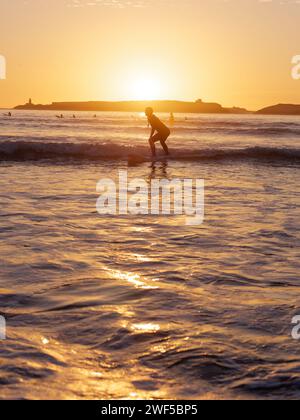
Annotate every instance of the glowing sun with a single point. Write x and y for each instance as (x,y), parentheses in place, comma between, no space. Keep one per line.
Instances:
(145,89)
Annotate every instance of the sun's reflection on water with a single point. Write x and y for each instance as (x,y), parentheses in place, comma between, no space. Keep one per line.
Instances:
(132,278)
(146,328)
(141,229)
(141,258)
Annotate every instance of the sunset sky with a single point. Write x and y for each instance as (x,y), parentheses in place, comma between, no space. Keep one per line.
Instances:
(235,52)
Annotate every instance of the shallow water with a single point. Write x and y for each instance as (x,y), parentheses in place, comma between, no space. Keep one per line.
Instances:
(147,307)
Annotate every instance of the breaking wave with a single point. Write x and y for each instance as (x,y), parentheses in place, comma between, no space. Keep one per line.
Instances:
(26,151)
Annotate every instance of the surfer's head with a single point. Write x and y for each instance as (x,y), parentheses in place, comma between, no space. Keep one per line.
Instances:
(149,111)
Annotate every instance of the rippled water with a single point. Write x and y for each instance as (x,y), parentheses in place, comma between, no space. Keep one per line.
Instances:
(147,307)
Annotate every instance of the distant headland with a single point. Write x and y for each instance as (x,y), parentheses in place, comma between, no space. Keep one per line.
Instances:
(281,109)
(198,107)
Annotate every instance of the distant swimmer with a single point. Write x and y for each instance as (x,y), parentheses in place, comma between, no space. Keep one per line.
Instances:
(60,116)
(172,119)
(159,132)
(74,116)
(9,114)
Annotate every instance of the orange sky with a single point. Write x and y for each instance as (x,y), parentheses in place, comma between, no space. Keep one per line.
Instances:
(235,52)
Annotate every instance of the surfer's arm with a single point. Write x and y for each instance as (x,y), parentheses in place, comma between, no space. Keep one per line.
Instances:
(152,133)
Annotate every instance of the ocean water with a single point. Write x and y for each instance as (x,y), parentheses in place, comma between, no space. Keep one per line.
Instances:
(146,307)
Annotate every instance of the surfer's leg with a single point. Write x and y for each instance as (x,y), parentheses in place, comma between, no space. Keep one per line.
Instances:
(164,145)
(152,142)
(152,146)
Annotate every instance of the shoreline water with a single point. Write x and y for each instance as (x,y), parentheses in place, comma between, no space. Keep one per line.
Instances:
(130,307)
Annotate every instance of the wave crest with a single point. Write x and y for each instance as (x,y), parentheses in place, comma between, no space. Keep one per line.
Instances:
(26,151)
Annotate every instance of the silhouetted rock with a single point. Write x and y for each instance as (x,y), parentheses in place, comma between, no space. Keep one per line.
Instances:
(281,109)
(136,106)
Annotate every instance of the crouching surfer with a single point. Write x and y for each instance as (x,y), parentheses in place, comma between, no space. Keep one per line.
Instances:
(159,132)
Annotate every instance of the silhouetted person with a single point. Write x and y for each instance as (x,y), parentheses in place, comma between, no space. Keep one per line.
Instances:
(172,119)
(8,114)
(159,132)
